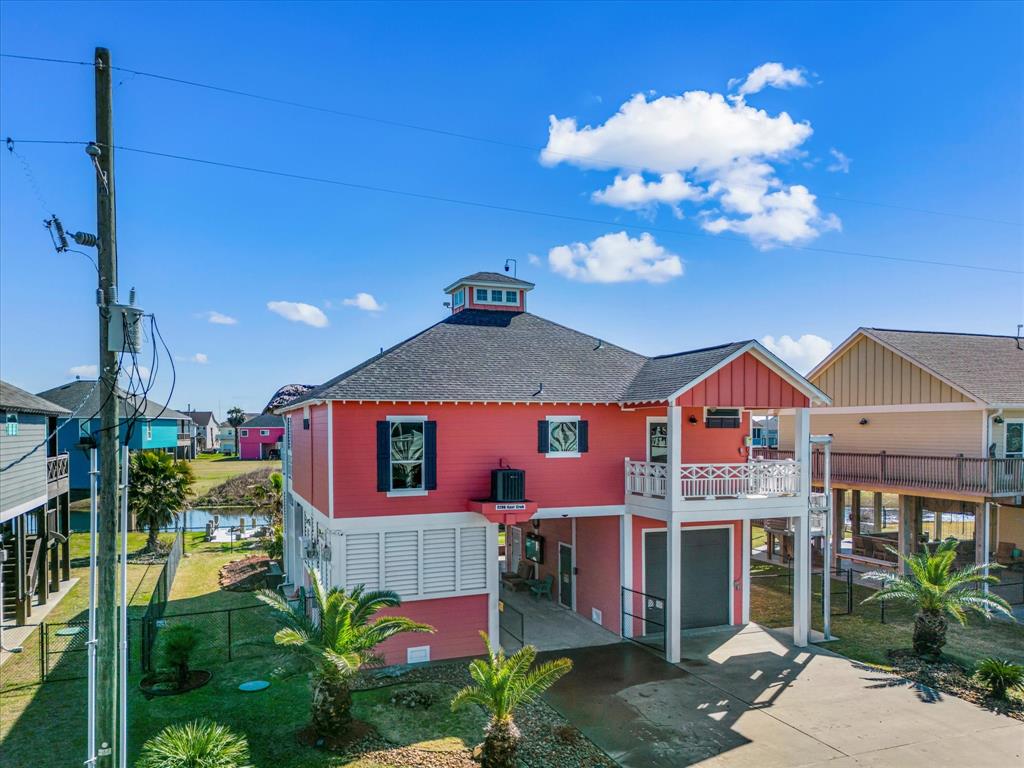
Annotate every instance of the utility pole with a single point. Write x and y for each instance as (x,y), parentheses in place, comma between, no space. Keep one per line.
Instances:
(106,533)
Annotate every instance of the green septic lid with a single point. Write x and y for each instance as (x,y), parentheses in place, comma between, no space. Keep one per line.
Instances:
(254,685)
(66,631)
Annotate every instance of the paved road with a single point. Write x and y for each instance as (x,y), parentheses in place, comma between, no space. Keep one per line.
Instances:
(746,697)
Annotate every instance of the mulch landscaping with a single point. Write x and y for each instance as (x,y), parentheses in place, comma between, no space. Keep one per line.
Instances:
(549,741)
(948,677)
(245,575)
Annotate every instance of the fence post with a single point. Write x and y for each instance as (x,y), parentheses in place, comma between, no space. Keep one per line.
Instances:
(230,611)
(849,590)
(43,641)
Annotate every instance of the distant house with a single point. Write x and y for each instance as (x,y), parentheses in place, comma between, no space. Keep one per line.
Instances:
(207,430)
(145,425)
(764,431)
(226,434)
(35,516)
(260,437)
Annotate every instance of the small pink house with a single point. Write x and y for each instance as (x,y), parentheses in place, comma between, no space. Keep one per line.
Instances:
(260,437)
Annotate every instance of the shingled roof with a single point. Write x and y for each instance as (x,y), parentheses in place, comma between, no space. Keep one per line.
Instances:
(14,398)
(991,368)
(481,355)
(263,420)
(83,395)
(491,277)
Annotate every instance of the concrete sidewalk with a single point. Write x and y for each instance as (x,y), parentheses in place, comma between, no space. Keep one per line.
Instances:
(746,697)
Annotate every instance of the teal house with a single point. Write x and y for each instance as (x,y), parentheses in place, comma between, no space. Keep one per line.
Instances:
(145,425)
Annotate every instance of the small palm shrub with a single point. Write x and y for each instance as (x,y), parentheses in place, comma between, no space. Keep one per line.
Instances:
(199,744)
(502,684)
(177,644)
(936,590)
(1000,676)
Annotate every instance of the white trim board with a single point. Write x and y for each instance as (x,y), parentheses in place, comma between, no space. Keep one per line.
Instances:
(20,509)
(553,513)
(903,408)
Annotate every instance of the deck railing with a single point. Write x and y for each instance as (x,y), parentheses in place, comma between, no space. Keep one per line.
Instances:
(751,479)
(56,468)
(963,474)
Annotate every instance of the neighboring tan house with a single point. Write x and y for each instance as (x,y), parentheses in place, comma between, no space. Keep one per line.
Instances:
(623,482)
(35,514)
(207,430)
(935,419)
(260,437)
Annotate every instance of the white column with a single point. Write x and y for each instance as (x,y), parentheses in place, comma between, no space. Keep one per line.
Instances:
(673,573)
(626,571)
(330,459)
(745,614)
(675,457)
(981,531)
(493,630)
(801,530)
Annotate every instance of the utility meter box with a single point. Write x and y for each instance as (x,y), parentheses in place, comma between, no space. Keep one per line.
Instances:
(124,332)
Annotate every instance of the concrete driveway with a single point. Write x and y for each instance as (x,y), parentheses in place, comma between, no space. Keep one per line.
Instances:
(746,697)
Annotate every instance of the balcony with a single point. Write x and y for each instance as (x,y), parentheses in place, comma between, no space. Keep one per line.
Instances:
(56,475)
(981,477)
(647,483)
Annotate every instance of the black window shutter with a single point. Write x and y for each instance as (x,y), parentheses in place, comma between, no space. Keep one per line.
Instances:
(430,455)
(583,436)
(383,456)
(542,436)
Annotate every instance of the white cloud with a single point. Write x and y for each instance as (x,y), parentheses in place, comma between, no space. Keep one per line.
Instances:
(616,258)
(364,301)
(200,357)
(219,318)
(635,193)
(770,74)
(298,312)
(803,353)
(841,163)
(534,259)
(716,153)
(88,371)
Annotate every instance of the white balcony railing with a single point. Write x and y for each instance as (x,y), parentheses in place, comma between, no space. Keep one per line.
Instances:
(759,479)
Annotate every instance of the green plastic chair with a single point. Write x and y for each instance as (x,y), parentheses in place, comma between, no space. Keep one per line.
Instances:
(542,587)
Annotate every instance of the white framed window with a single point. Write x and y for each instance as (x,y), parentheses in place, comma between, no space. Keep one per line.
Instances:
(657,439)
(149,430)
(495,296)
(482,295)
(722,418)
(264,433)
(12,424)
(563,437)
(511,297)
(1013,440)
(407,454)
(244,433)
(459,298)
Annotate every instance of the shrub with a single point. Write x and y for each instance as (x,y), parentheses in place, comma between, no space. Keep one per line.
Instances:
(199,744)
(177,644)
(1000,676)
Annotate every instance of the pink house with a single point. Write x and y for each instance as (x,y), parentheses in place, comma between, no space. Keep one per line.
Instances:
(260,437)
(401,473)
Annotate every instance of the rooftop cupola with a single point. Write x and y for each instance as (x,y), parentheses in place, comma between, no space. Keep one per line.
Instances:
(488,290)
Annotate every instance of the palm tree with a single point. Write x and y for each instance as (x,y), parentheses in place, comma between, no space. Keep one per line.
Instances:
(199,744)
(338,641)
(236,418)
(269,498)
(938,591)
(158,489)
(502,684)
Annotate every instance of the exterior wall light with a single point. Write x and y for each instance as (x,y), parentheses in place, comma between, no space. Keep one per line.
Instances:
(692,419)
(862,422)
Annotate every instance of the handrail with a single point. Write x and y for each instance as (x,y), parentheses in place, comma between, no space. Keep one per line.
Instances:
(56,467)
(753,478)
(988,476)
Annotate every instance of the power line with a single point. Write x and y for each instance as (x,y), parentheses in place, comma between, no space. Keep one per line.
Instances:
(473,137)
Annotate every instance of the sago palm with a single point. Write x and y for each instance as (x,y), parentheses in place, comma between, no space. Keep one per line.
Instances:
(936,590)
(502,684)
(338,639)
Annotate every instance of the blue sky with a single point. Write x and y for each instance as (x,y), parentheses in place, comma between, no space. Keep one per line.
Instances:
(924,101)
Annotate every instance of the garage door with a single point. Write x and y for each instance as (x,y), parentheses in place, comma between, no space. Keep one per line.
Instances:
(705,575)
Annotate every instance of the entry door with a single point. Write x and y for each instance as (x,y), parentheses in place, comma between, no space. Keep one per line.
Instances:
(706,579)
(565,575)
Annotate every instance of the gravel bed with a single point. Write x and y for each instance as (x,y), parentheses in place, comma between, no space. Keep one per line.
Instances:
(549,741)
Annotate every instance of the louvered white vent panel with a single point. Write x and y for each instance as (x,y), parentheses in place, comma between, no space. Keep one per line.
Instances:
(362,560)
(402,562)
(439,561)
(473,560)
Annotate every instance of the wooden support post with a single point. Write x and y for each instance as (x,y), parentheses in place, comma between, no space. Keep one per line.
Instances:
(42,564)
(22,600)
(674,584)
(838,522)
(855,512)
(64,507)
(879,514)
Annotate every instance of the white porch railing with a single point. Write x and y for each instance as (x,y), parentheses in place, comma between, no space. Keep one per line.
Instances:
(750,479)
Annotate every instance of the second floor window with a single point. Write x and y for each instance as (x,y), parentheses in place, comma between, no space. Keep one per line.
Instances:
(12,424)
(244,433)
(722,418)
(1015,439)
(264,432)
(406,455)
(562,436)
(149,430)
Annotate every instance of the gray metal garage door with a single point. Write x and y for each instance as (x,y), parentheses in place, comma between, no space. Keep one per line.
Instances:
(705,574)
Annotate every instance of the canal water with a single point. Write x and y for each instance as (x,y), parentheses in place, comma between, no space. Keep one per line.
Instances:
(192,519)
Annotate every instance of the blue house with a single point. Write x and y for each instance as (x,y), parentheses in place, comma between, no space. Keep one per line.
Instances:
(145,425)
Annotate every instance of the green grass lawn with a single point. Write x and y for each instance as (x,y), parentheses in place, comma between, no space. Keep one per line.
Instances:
(211,470)
(861,634)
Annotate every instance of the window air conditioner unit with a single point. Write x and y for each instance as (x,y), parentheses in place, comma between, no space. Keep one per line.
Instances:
(508,485)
